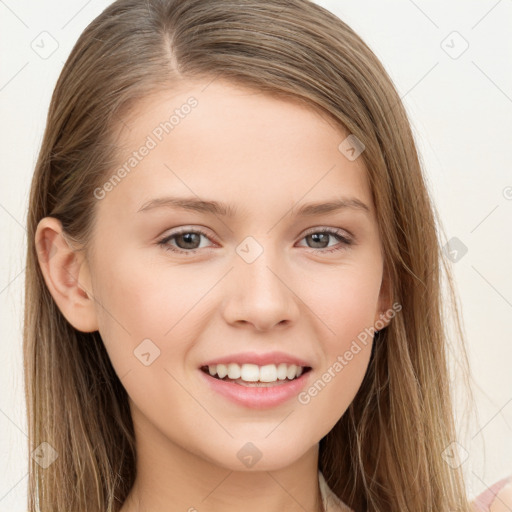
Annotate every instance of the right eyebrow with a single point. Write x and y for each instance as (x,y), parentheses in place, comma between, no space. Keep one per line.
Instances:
(190,203)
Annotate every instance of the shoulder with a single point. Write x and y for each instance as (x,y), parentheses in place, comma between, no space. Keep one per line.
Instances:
(503,500)
(331,502)
(497,498)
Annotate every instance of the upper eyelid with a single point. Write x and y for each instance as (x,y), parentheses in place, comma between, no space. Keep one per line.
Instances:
(333,231)
(202,230)
(328,228)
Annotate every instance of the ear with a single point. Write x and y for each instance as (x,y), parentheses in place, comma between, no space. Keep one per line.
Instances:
(385,301)
(66,273)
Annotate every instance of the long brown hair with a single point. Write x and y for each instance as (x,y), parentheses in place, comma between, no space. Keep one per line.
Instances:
(386,452)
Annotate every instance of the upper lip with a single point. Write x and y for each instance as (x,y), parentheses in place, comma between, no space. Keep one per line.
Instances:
(258,359)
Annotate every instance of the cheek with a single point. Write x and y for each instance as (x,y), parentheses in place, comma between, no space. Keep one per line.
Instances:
(346,300)
(334,389)
(142,299)
(146,321)
(346,307)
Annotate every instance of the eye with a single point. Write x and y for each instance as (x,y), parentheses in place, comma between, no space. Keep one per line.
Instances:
(187,240)
(186,237)
(322,236)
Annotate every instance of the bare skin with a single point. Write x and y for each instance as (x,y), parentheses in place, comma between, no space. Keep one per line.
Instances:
(266,157)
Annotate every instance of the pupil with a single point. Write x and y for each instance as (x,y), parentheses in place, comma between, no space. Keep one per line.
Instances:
(315,237)
(187,237)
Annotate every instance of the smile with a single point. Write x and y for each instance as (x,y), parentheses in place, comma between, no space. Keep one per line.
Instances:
(249,391)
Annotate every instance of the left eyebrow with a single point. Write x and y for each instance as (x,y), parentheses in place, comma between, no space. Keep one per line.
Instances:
(310,209)
(226,210)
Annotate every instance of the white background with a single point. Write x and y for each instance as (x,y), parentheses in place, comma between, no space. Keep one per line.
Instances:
(461,113)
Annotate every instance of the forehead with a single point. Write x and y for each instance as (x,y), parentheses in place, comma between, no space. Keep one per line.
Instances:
(240,146)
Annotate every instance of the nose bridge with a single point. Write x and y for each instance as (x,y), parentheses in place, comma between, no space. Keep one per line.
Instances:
(257,264)
(259,294)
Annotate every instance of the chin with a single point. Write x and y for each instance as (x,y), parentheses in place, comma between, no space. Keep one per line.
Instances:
(264,455)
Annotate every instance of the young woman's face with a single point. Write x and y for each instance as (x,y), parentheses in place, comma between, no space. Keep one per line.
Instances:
(178,287)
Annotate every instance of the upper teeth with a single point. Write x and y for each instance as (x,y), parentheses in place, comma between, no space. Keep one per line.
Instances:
(255,373)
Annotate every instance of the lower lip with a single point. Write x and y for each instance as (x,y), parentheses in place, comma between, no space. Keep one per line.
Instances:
(257,397)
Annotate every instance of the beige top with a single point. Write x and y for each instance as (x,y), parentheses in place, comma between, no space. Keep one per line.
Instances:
(497,498)
(330,501)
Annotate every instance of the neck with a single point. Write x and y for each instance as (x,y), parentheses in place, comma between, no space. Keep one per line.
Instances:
(171,478)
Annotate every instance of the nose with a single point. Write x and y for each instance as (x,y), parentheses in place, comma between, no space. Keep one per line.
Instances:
(260,293)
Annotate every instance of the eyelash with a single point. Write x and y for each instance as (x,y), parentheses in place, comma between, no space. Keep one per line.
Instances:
(343,239)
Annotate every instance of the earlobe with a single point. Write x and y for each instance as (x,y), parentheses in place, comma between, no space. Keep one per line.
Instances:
(66,274)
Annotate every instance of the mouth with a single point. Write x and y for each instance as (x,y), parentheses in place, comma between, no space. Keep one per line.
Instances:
(256,387)
(251,375)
